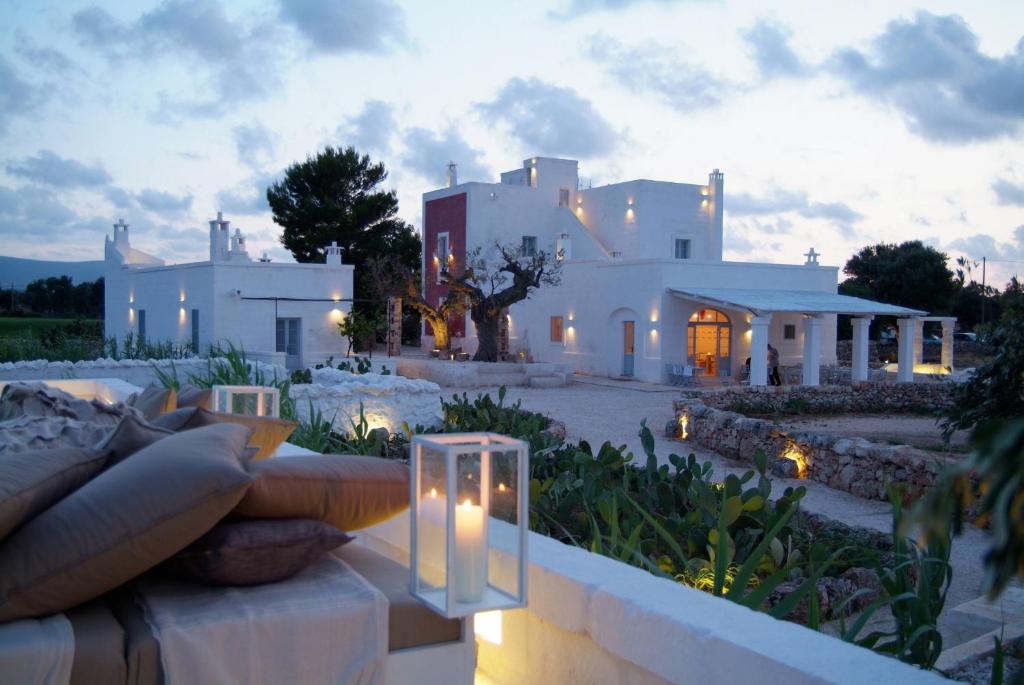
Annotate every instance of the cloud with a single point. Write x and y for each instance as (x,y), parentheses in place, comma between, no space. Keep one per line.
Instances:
(984,245)
(1008,193)
(370,130)
(352,26)
(254,144)
(770,50)
(781,201)
(551,120)
(931,70)
(578,8)
(49,168)
(427,153)
(249,198)
(242,58)
(656,69)
(32,212)
(41,56)
(119,197)
(163,203)
(17,97)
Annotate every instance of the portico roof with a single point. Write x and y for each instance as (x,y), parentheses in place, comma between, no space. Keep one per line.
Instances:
(768,301)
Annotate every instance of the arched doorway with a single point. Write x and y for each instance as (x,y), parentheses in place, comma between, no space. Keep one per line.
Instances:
(709,342)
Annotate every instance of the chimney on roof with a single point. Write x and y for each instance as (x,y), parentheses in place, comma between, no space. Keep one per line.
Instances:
(333,254)
(219,238)
(121,233)
(453,175)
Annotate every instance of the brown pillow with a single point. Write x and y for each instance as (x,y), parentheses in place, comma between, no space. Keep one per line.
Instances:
(154,401)
(130,436)
(254,552)
(32,481)
(347,492)
(267,433)
(123,522)
(191,396)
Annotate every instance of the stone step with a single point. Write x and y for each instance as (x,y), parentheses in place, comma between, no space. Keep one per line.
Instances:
(547,381)
(500,368)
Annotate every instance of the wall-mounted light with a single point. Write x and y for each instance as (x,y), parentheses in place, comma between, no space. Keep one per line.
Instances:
(131,298)
(579,199)
(629,201)
(181,296)
(181,316)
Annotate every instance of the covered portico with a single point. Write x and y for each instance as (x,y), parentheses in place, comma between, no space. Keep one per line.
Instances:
(813,309)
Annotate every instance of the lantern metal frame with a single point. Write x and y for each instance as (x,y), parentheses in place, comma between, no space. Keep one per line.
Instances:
(224,396)
(443,600)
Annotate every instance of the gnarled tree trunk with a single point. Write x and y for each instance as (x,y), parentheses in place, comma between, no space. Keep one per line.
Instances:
(486,335)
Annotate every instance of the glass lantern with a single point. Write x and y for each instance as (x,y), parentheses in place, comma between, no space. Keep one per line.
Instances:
(469,522)
(247,400)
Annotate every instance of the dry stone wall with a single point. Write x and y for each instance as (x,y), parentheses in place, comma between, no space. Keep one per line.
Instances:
(868,397)
(853,465)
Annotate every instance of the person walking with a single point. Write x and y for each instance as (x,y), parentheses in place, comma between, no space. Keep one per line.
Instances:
(773,366)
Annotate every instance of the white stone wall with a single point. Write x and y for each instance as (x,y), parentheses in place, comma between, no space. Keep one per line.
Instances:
(591,619)
(139,372)
(170,294)
(595,297)
(387,401)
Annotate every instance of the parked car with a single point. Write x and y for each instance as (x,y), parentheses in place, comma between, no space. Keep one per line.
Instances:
(968,336)
(932,340)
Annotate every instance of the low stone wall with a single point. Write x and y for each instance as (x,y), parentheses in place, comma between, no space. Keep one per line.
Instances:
(592,619)
(139,372)
(853,465)
(867,397)
(469,374)
(386,401)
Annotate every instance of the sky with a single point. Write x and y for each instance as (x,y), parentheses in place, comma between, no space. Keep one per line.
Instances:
(837,125)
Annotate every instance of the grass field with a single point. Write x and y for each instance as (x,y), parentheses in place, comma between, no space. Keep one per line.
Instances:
(21,327)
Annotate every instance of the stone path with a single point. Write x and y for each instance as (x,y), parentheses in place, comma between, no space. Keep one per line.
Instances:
(599,409)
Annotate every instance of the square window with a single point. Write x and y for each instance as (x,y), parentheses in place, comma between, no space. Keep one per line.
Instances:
(557,330)
(529,248)
(789,331)
(682,248)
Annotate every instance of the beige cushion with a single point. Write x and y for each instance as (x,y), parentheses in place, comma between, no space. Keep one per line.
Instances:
(32,481)
(411,623)
(130,436)
(123,522)
(267,433)
(191,396)
(154,401)
(347,492)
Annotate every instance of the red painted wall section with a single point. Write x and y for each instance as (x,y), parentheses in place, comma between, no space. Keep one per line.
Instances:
(444,215)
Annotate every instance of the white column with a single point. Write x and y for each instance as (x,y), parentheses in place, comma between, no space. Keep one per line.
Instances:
(759,349)
(812,350)
(861,345)
(947,343)
(918,341)
(908,327)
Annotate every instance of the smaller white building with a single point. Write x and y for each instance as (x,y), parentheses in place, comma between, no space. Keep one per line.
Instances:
(282,313)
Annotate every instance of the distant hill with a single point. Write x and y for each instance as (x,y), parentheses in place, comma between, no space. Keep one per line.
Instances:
(21,272)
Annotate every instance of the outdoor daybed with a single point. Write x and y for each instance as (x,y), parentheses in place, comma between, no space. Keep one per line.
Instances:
(165,553)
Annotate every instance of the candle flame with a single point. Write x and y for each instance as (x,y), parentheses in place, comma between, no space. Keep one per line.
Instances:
(433,492)
(501,487)
(467,504)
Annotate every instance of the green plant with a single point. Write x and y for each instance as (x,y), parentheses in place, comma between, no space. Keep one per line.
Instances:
(316,433)
(362,440)
(359,329)
(914,590)
(995,391)
(168,379)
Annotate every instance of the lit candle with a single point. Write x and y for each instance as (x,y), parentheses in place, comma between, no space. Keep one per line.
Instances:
(469,552)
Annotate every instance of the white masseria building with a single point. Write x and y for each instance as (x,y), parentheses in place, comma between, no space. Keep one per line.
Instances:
(281,313)
(644,287)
